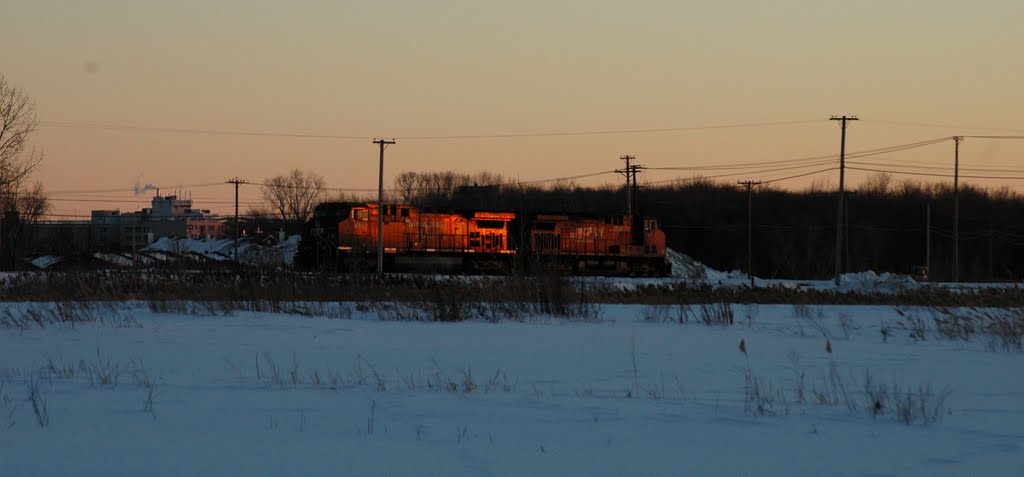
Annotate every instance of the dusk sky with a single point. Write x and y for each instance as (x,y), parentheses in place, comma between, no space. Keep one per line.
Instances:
(422,72)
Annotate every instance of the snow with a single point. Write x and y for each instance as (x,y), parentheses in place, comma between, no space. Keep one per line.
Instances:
(114,259)
(692,272)
(632,393)
(45,261)
(249,252)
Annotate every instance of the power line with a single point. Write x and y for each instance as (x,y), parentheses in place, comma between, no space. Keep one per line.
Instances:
(220,132)
(934,167)
(558,179)
(810,159)
(941,126)
(897,148)
(133,189)
(805,162)
(336,189)
(616,131)
(897,160)
(734,174)
(143,202)
(798,175)
(926,174)
(81,197)
(208,132)
(995,137)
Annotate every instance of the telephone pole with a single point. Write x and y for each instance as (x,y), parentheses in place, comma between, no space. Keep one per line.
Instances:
(956,208)
(237,182)
(629,189)
(636,188)
(928,237)
(839,206)
(750,202)
(380,205)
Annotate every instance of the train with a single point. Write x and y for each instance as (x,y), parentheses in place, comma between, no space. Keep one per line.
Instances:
(344,236)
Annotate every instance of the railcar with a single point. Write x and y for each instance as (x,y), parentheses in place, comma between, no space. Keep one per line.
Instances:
(618,244)
(318,249)
(473,242)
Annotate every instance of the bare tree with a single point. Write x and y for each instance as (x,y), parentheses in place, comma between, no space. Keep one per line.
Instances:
(17,122)
(20,203)
(31,203)
(407,185)
(486,178)
(878,184)
(294,195)
(366,197)
(439,187)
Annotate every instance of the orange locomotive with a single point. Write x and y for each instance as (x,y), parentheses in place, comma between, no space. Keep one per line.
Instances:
(480,242)
(426,241)
(622,244)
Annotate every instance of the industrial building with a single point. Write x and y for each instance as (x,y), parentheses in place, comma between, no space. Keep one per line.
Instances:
(111,230)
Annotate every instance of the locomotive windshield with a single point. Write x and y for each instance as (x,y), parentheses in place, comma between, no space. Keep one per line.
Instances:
(490,224)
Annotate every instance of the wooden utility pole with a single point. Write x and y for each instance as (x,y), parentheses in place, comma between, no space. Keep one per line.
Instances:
(928,238)
(629,189)
(636,188)
(750,227)
(839,207)
(380,205)
(956,208)
(991,239)
(237,182)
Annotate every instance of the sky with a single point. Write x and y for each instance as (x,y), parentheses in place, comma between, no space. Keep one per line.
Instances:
(116,83)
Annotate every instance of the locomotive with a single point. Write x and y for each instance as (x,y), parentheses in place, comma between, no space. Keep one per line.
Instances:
(318,249)
(620,244)
(343,236)
(474,242)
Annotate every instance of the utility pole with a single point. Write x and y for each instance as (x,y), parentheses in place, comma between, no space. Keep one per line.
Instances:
(928,238)
(750,226)
(380,206)
(237,182)
(956,208)
(839,206)
(632,204)
(629,189)
(636,188)
(991,238)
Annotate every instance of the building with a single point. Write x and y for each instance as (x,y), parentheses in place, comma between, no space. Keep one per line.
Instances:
(113,230)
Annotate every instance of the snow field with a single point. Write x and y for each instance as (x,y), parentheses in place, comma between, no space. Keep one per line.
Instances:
(621,396)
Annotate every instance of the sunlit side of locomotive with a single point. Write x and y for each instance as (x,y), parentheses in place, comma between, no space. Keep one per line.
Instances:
(415,240)
(612,244)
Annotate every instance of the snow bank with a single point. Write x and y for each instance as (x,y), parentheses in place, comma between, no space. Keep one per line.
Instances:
(692,271)
(224,249)
(870,281)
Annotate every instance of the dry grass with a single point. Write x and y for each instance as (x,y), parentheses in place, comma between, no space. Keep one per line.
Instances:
(550,293)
